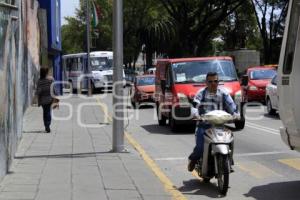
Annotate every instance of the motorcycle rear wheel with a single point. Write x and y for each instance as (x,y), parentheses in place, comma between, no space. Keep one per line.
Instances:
(223,173)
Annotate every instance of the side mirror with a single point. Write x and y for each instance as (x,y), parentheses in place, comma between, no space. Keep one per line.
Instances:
(245,80)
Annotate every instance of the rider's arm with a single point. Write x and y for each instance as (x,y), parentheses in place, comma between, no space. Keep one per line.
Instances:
(195,109)
(229,104)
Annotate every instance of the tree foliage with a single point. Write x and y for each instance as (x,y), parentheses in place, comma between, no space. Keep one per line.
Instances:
(74,31)
(239,30)
(196,22)
(146,23)
(270,16)
(178,28)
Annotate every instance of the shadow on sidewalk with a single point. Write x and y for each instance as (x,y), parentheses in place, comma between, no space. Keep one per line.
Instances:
(76,155)
(34,131)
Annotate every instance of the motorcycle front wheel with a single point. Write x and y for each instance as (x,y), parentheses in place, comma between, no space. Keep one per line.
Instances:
(223,173)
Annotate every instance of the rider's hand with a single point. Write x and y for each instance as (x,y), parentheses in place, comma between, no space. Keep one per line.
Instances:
(236,116)
(197,118)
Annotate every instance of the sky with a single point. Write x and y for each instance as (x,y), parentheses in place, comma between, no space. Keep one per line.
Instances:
(68,8)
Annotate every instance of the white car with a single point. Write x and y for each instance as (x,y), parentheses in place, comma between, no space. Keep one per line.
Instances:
(272,99)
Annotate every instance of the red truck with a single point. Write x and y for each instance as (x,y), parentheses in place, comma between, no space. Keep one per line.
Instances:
(178,80)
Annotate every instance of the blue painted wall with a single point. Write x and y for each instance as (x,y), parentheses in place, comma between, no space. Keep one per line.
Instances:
(53,24)
(53,8)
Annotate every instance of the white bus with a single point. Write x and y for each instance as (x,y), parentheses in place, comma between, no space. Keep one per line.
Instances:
(102,69)
(75,65)
(289,78)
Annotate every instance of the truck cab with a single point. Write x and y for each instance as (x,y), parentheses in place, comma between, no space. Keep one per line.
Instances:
(178,80)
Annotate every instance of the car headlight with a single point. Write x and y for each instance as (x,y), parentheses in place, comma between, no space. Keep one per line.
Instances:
(182,98)
(253,88)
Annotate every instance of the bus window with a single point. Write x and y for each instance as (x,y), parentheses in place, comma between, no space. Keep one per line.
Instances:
(68,64)
(74,64)
(293,31)
(80,64)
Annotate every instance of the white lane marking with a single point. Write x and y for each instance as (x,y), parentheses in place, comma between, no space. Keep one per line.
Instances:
(261,153)
(265,130)
(235,155)
(263,127)
(170,159)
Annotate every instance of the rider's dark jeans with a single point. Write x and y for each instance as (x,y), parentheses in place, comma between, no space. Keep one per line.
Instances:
(198,150)
(47,115)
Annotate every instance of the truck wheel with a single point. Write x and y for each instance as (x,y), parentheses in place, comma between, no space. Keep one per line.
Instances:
(161,118)
(173,124)
(93,88)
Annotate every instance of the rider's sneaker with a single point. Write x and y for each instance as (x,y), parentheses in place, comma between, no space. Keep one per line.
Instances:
(191,165)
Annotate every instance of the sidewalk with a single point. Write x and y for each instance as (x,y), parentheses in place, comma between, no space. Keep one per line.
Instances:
(75,163)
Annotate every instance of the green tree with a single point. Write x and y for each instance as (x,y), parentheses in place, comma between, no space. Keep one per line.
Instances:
(270,17)
(239,30)
(73,41)
(145,23)
(74,31)
(196,22)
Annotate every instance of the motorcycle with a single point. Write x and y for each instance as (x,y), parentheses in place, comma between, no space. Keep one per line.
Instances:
(218,149)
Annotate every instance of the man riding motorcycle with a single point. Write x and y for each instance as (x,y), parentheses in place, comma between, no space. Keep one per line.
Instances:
(210,98)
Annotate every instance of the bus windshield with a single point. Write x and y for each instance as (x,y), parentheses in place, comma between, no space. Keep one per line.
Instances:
(100,63)
(195,71)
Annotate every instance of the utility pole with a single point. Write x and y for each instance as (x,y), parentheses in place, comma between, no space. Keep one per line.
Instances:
(118,107)
(88,32)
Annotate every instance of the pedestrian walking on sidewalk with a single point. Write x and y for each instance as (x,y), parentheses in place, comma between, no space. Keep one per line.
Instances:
(45,97)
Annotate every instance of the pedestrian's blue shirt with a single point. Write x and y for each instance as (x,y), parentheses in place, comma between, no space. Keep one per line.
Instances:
(204,102)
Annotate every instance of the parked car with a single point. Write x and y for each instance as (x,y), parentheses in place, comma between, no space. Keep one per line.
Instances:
(272,99)
(178,80)
(142,89)
(258,77)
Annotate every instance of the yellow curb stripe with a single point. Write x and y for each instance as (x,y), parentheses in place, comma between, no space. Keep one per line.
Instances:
(169,186)
(257,170)
(294,163)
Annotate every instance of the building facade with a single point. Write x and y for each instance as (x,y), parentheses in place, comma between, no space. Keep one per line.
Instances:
(22,48)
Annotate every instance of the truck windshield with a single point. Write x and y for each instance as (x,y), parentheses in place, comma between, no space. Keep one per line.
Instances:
(262,74)
(195,71)
(100,63)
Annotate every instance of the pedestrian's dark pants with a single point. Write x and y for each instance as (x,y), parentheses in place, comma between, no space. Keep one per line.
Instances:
(198,150)
(47,115)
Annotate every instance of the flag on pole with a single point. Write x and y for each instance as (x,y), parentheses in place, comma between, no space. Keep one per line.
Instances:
(95,14)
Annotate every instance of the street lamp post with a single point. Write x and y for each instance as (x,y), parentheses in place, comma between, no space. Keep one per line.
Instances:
(88,32)
(118,106)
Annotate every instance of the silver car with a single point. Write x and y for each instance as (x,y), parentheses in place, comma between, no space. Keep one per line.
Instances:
(272,99)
